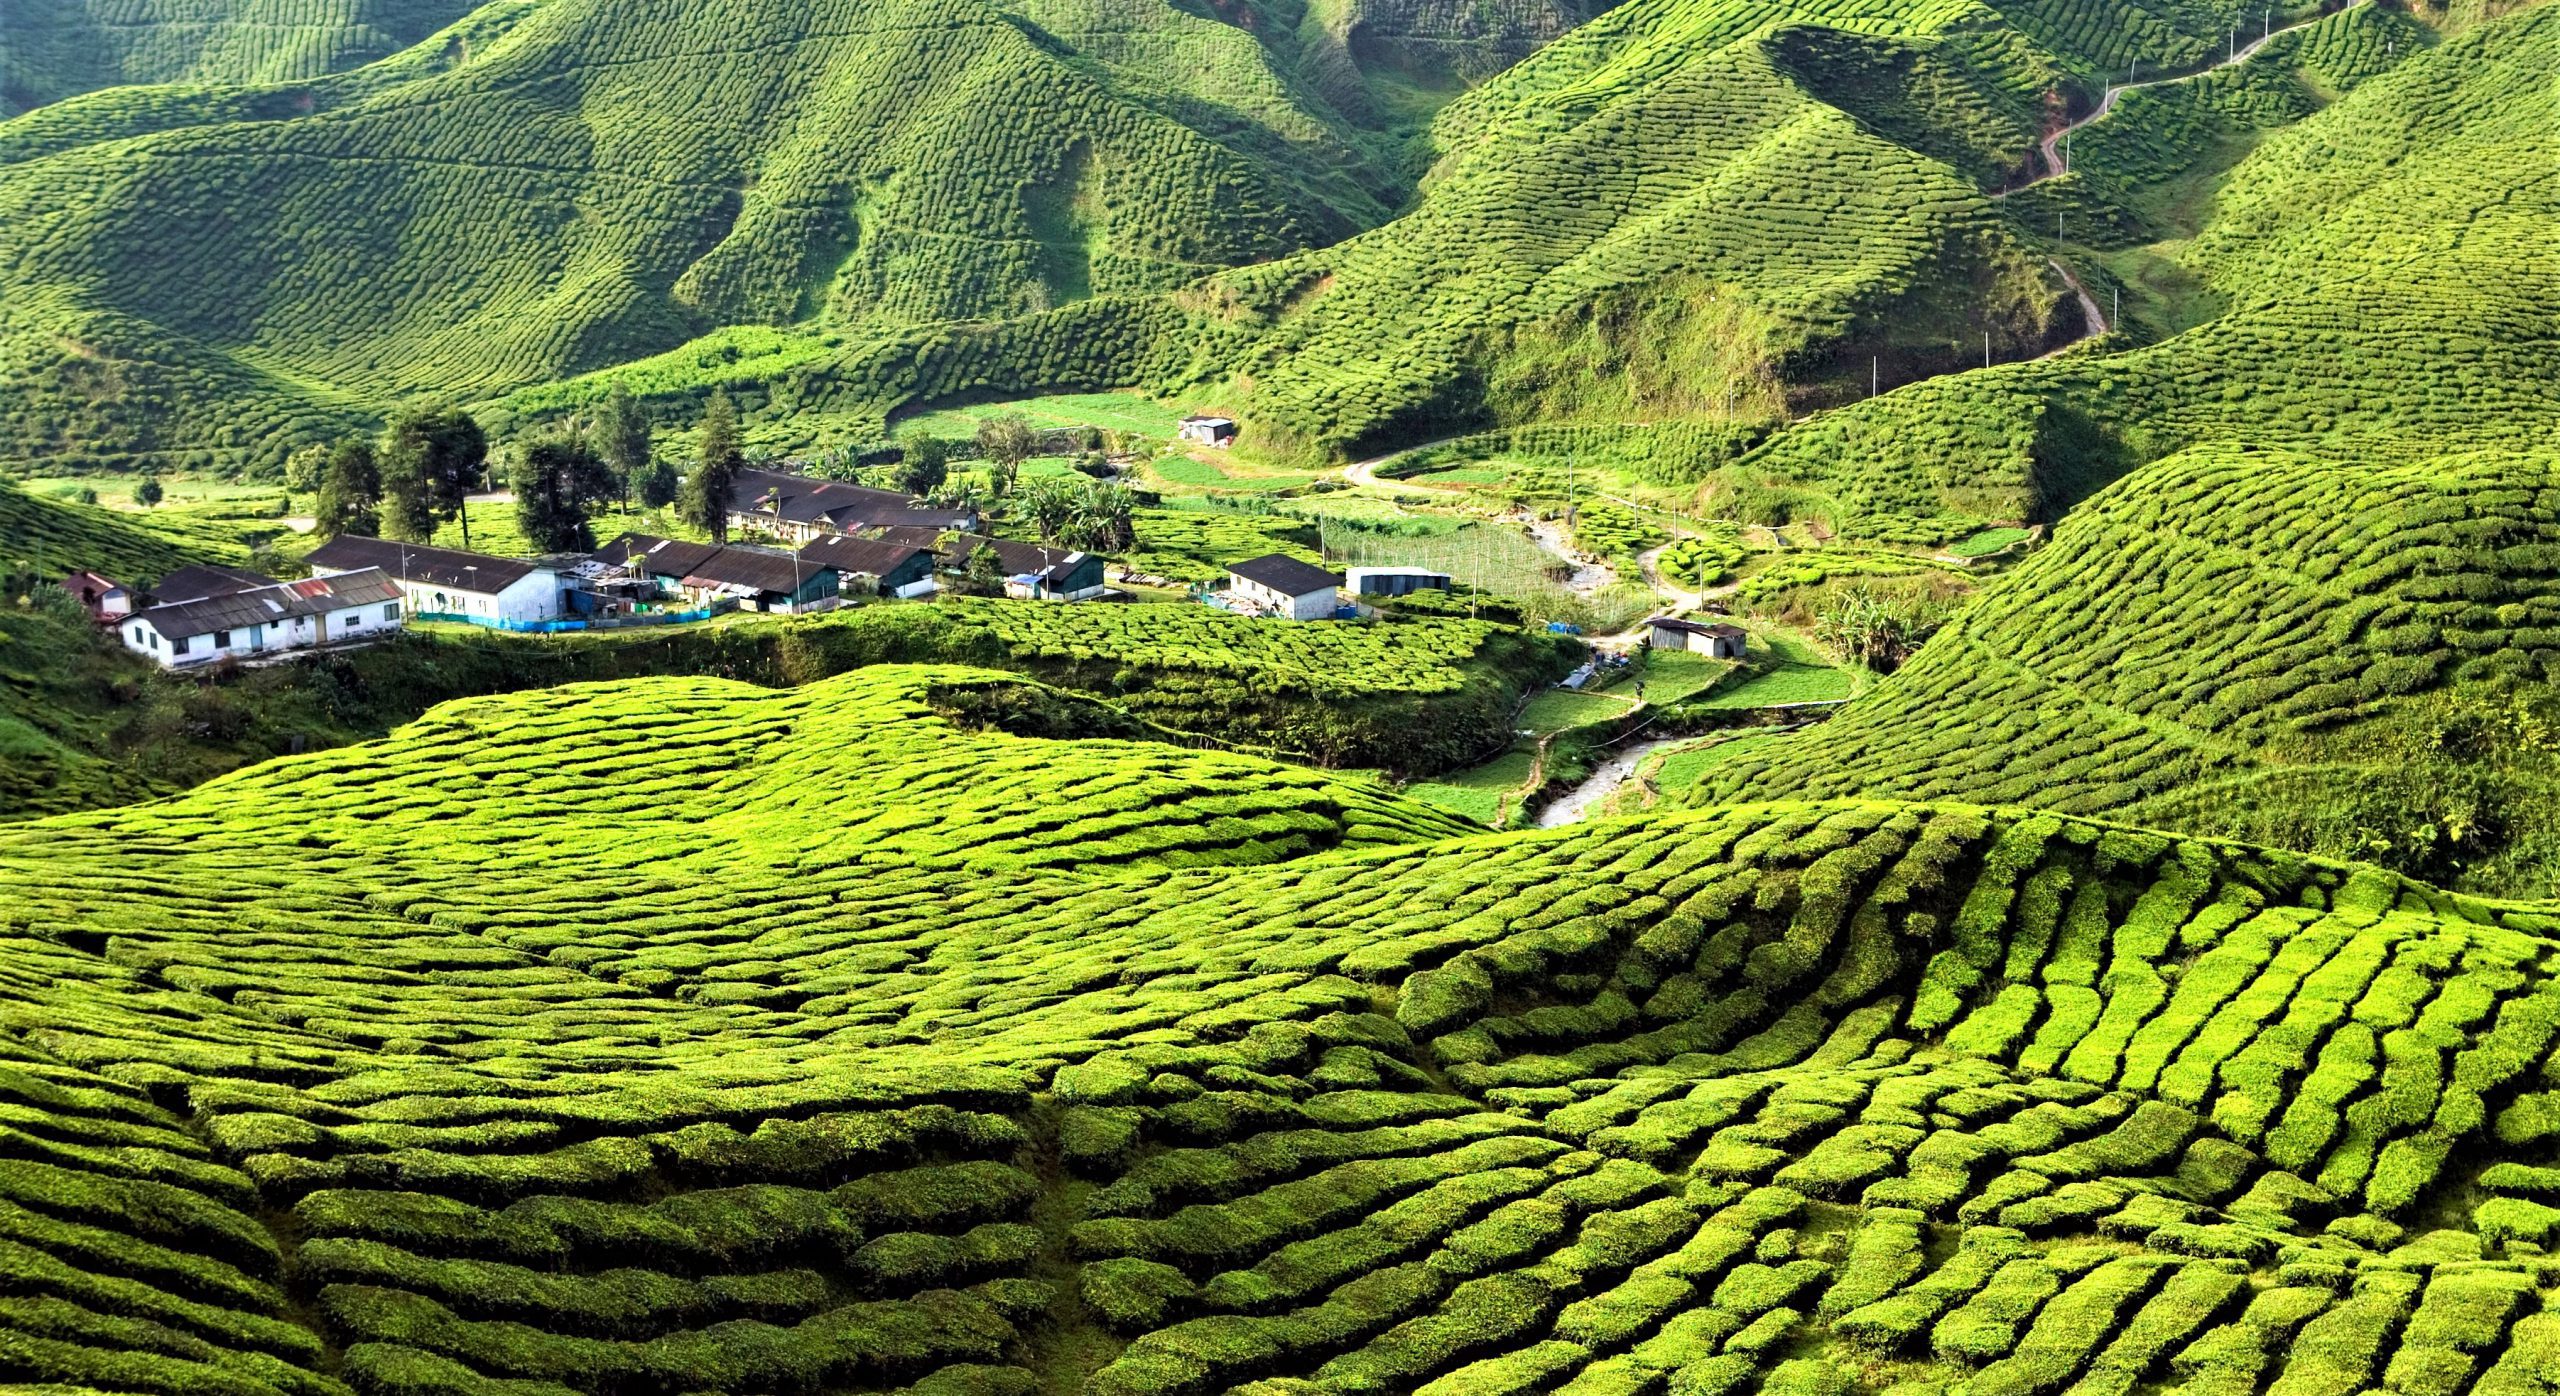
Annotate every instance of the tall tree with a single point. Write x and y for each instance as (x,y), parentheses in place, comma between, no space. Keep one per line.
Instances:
(622,437)
(432,461)
(557,479)
(924,463)
(715,469)
(983,574)
(351,491)
(1006,440)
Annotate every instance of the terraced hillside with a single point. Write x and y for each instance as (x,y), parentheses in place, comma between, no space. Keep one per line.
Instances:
(2351,657)
(52,49)
(2380,283)
(516,200)
(634,1039)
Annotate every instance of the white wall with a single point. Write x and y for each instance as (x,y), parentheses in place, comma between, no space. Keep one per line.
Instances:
(535,596)
(292,633)
(1315,605)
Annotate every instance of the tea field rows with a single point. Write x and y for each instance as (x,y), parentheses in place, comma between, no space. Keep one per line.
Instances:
(624,1038)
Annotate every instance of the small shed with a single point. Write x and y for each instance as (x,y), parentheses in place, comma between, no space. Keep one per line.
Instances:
(1281,585)
(1715,641)
(1209,431)
(104,600)
(1393,581)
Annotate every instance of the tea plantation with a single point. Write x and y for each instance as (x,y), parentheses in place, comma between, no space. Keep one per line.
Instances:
(675,1036)
(2353,658)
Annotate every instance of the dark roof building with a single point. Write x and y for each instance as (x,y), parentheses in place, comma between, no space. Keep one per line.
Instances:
(805,508)
(896,566)
(1718,640)
(1286,575)
(1048,573)
(286,616)
(654,556)
(449,568)
(198,581)
(924,536)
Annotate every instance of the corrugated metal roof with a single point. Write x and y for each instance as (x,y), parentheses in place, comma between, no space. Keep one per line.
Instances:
(267,605)
(478,573)
(1286,575)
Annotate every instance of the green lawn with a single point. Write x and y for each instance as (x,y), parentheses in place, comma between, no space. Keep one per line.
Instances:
(1675,676)
(1195,473)
(1487,794)
(1559,709)
(1788,683)
(1133,412)
(1683,768)
(1989,541)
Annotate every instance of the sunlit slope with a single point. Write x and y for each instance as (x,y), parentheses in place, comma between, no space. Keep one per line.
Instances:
(597,180)
(2385,272)
(1821,1098)
(2351,656)
(51,49)
(1787,188)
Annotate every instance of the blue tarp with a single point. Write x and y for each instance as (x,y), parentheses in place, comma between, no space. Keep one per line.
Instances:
(555,627)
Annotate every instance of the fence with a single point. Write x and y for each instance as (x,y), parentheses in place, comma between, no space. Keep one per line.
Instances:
(560,627)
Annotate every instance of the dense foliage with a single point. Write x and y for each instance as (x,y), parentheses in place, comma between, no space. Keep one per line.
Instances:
(682,1037)
(2343,657)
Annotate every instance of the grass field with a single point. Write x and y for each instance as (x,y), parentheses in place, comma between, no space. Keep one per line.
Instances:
(1558,709)
(1126,412)
(1489,794)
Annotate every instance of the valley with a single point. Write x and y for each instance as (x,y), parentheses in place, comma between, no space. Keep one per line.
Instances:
(1361,698)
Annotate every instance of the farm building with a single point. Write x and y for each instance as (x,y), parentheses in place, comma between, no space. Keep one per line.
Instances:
(1209,431)
(447,582)
(662,562)
(317,611)
(924,536)
(1393,581)
(1034,571)
(760,579)
(798,508)
(104,600)
(197,581)
(870,566)
(1715,641)
(1281,585)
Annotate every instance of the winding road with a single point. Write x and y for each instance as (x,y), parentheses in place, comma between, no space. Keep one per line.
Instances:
(2051,149)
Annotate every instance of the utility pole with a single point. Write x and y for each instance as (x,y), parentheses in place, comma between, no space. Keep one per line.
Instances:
(1986,348)
(1875,374)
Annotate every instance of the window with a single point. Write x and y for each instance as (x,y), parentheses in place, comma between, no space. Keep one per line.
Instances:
(391,612)
(178,645)
(222,639)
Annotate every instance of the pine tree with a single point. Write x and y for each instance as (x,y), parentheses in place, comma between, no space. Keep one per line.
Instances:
(431,462)
(715,470)
(622,437)
(557,479)
(351,491)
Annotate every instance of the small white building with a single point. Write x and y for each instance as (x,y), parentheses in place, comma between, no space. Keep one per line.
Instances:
(104,598)
(1281,585)
(308,614)
(1714,641)
(1209,431)
(1393,581)
(449,582)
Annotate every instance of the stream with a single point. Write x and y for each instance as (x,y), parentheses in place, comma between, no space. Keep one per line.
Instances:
(1601,783)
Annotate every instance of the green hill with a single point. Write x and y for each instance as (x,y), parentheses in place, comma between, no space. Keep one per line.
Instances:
(2352,658)
(628,1039)
(221,270)
(52,49)
(2377,282)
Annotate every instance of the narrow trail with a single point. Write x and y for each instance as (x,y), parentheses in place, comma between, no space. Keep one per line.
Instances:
(2094,318)
(2052,146)
(1603,782)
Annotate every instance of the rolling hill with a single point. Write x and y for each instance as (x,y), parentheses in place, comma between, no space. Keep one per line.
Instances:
(2352,657)
(2377,283)
(52,49)
(208,274)
(561,1045)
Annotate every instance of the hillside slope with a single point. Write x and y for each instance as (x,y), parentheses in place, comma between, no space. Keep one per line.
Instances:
(2385,275)
(2350,657)
(529,201)
(552,1065)
(52,49)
